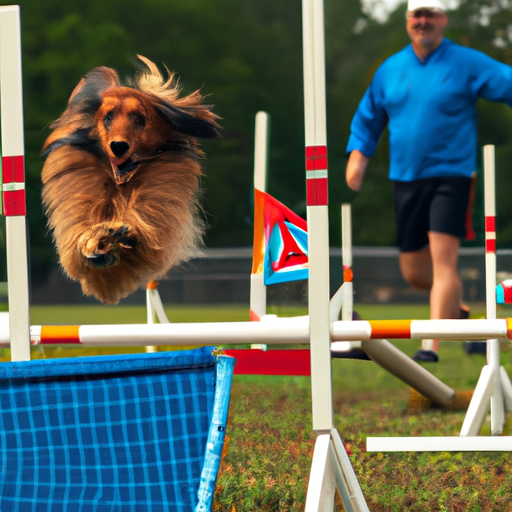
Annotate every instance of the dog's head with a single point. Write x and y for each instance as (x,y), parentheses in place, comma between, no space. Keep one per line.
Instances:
(131,130)
(132,124)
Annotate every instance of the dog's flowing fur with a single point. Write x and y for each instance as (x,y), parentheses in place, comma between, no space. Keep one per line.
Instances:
(120,182)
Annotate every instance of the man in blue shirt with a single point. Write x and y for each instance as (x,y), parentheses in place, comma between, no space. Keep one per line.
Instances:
(426,95)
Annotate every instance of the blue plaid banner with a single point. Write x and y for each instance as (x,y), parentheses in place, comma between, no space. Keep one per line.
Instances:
(110,433)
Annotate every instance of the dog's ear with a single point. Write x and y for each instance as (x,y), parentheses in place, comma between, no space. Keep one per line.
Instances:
(186,122)
(78,118)
(94,83)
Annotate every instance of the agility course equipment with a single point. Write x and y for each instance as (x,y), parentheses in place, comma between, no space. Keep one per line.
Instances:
(494,389)
(129,432)
(331,467)
(13,181)
(258,292)
(268,210)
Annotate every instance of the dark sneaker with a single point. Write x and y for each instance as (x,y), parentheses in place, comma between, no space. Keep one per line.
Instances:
(426,356)
(354,353)
(475,347)
(472,347)
(464,312)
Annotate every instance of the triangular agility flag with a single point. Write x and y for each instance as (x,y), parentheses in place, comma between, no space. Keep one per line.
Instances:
(280,246)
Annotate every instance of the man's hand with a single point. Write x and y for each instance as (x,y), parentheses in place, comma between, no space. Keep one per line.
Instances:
(356,168)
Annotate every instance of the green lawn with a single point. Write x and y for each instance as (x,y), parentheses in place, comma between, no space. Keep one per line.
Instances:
(99,314)
(270,441)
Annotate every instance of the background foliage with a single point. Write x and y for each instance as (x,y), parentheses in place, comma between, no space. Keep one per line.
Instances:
(247,56)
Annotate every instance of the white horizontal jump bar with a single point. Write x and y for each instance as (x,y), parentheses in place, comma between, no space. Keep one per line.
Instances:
(466,329)
(278,331)
(440,444)
(213,333)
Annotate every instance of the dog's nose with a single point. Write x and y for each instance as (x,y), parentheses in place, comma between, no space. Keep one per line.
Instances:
(119,148)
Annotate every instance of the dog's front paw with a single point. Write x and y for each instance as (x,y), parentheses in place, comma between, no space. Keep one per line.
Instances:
(101,246)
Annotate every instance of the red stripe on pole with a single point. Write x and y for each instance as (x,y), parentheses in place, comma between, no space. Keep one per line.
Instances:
(316,158)
(490,224)
(490,245)
(317,192)
(271,362)
(13,169)
(14,203)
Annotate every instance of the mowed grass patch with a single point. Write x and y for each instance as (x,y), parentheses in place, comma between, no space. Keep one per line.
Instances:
(270,440)
(102,314)
(270,444)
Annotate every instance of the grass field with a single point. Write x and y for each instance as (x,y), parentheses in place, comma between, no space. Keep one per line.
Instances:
(270,441)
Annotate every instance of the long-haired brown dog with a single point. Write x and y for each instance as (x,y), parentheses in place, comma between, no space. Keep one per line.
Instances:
(120,181)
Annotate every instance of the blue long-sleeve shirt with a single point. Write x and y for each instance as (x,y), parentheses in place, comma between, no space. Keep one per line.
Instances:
(429,108)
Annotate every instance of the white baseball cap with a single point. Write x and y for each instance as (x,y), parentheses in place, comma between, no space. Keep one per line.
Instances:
(435,5)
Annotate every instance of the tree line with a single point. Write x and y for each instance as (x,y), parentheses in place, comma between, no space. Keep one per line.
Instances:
(246,56)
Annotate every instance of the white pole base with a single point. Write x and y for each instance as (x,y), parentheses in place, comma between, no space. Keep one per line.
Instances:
(330,470)
(493,391)
(440,444)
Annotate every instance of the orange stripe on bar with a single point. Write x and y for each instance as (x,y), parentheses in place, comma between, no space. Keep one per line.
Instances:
(59,334)
(509,328)
(348,275)
(390,329)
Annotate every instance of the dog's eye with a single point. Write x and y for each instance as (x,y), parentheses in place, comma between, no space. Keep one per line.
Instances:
(138,120)
(107,120)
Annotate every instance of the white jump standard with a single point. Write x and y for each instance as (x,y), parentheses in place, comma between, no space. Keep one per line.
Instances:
(13,180)
(494,389)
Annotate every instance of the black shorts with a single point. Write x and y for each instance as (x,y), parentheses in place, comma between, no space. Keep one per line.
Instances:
(432,204)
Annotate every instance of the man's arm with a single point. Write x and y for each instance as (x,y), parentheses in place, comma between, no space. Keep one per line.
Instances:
(356,168)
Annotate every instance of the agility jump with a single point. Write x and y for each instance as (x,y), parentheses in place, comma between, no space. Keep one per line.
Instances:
(330,467)
(494,389)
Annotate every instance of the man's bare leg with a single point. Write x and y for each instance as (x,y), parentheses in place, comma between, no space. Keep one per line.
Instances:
(446,291)
(416,268)
(435,268)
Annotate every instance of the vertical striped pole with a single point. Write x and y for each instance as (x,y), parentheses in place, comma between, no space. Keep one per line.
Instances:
(346,256)
(13,177)
(493,346)
(490,231)
(258,298)
(317,212)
